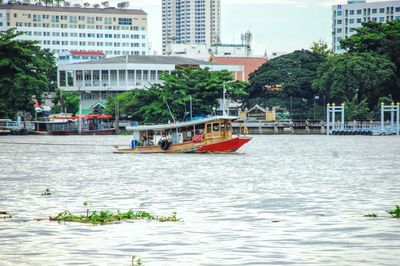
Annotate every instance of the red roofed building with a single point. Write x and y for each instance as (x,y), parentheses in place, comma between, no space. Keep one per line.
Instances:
(250,64)
(88,53)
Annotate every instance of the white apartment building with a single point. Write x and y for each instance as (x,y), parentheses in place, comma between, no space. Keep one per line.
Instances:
(346,18)
(190,22)
(110,30)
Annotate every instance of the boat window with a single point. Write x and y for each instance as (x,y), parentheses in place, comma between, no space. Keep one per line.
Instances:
(222,127)
(228,127)
(216,127)
(208,128)
(199,129)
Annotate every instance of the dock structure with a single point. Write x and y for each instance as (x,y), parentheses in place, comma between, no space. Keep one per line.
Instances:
(391,127)
(294,127)
(8,126)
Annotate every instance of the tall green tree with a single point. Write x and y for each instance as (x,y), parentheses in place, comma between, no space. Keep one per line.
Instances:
(25,72)
(291,74)
(321,47)
(361,75)
(65,102)
(381,38)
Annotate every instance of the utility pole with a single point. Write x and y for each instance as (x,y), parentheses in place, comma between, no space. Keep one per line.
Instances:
(80,111)
(117,117)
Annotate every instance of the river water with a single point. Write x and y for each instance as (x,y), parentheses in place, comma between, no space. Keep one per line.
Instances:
(284,200)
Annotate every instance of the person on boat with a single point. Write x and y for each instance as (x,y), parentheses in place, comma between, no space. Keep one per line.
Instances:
(163,137)
(144,141)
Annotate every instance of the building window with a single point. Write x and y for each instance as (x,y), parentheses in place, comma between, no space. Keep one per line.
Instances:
(104,77)
(90,20)
(55,19)
(124,21)
(73,19)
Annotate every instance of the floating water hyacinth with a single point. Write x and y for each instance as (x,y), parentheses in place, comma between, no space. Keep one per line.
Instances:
(395,213)
(136,261)
(106,217)
(47,192)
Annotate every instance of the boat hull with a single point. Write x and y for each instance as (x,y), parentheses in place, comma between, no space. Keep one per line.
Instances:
(225,146)
(88,132)
(231,145)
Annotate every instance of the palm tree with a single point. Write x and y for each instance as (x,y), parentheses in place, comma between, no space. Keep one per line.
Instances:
(59,1)
(86,4)
(96,5)
(105,4)
(47,2)
(67,4)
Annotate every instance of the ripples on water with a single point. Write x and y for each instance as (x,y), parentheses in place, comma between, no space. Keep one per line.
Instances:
(285,200)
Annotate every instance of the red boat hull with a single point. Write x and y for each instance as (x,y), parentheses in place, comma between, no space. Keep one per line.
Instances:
(231,145)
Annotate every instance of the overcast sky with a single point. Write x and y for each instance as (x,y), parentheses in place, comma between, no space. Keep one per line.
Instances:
(277,25)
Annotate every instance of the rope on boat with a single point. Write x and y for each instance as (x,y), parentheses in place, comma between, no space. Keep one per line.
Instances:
(57,144)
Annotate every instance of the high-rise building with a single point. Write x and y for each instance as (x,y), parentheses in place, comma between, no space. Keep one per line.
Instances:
(110,30)
(347,18)
(190,22)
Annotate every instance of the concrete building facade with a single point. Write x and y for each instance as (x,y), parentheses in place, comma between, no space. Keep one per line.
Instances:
(110,30)
(348,17)
(190,22)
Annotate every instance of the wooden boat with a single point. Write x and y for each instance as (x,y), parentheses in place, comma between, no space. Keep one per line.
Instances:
(90,125)
(207,135)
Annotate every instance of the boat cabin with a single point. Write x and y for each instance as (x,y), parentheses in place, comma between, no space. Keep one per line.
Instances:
(211,130)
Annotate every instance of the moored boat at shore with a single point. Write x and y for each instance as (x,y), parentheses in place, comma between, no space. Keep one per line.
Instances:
(84,125)
(210,134)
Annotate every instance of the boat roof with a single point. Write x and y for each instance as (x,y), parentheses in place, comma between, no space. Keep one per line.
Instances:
(180,124)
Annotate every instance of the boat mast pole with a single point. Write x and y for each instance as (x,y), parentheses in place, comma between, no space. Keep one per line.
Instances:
(223,98)
(191,108)
(169,109)
(191,115)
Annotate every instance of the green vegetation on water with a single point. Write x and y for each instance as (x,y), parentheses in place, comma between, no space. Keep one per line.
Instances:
(47,192)
(136,261)
(371,215)
(395,213)
(106,217)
